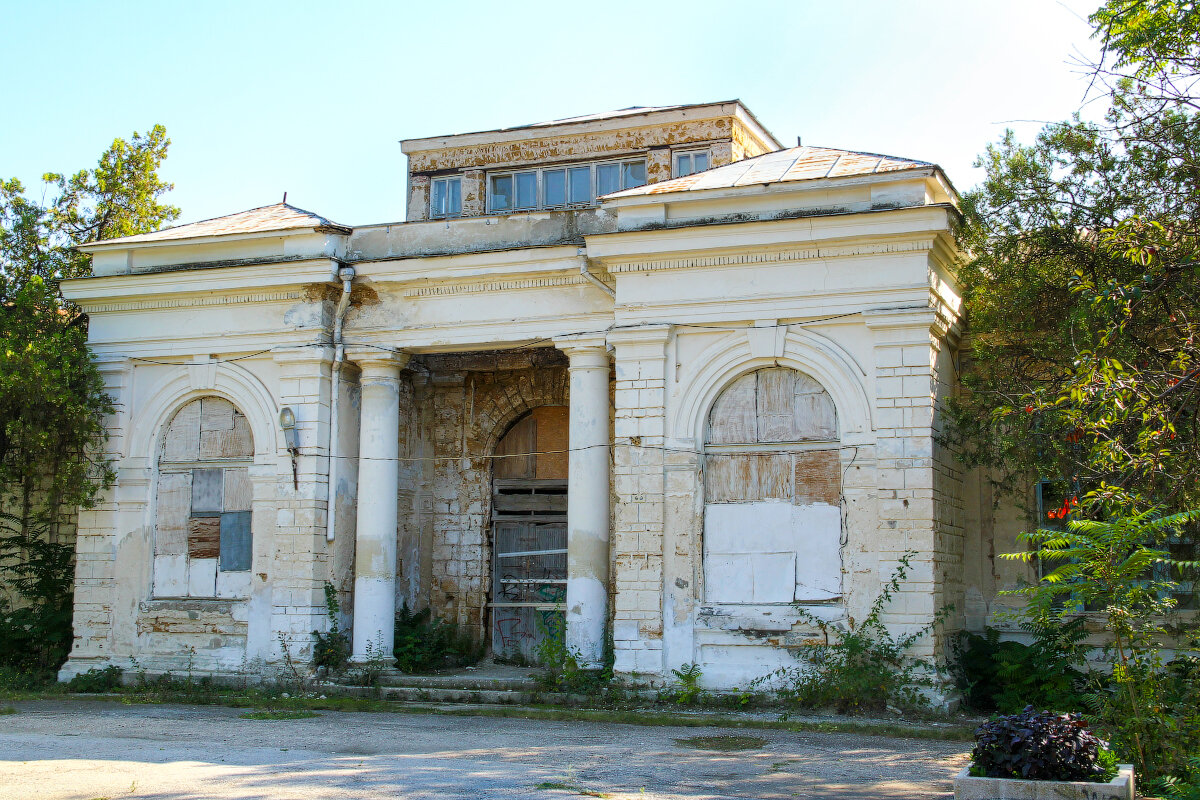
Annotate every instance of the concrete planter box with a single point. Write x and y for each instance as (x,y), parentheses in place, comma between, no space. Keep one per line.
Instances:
(967,787)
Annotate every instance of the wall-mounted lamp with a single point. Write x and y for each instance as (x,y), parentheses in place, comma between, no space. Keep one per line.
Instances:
(287,421)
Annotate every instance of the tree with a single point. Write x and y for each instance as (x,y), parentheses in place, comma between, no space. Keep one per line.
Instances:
(1082,291)
(1083,286)
(52,401)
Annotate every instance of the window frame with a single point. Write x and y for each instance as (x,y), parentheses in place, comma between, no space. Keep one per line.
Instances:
(446,179)
(566,169)
(691,154)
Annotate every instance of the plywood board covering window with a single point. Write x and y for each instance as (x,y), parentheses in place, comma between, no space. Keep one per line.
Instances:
(203,543)
(772,482)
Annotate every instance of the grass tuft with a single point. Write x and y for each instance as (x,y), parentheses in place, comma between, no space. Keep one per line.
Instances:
(269,714)
(725,743)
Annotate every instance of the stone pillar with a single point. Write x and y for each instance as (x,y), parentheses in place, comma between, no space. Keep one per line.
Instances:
(378,487)
(587,497)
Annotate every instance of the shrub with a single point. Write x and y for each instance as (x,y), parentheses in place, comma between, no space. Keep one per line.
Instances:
(1007,676)
(424,643)
(331,650)
(97,680)
(862,667)
(1040,746)
(560,664)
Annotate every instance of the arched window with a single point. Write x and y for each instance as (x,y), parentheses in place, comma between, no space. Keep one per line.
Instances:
(202,543)
(772,514)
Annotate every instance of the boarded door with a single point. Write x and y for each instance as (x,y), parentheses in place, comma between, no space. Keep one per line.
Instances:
(529,534)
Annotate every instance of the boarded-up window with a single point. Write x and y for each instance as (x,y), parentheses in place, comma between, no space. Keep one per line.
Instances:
(203,545)
(772,519)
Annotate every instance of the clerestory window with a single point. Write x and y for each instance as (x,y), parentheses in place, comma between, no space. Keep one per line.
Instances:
(689,162)
(561,187)
(445,198)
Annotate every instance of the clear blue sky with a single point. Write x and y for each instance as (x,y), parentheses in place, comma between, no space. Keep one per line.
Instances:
(312,98)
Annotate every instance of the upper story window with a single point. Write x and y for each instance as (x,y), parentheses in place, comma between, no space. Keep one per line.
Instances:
(689,162)
(445,197)
(560,187)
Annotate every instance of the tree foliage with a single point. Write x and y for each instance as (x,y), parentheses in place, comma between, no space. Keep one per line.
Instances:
(1083,283)
(52,401)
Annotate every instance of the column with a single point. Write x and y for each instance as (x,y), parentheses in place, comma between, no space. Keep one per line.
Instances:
(378,486)
(587,498)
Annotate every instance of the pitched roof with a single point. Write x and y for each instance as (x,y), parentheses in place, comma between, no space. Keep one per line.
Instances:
(277,217)
(782,166)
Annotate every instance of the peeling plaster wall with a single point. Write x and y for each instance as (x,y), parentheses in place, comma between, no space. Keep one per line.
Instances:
(545,150)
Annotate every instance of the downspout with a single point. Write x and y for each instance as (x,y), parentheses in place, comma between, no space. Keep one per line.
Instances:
(590,278)
(346,274)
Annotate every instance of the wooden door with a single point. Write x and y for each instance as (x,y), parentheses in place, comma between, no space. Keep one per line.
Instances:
(529,535)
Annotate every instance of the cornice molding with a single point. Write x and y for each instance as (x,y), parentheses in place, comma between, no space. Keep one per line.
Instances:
(191,302)
(442,289)
(770,256)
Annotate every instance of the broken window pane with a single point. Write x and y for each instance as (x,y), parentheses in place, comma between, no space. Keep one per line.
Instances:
(633,173)
(502,186)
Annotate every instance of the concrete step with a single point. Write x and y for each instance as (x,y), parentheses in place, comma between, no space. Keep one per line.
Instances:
(450,694)
(460,682)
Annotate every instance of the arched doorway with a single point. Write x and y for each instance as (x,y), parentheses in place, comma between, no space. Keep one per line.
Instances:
(529,533)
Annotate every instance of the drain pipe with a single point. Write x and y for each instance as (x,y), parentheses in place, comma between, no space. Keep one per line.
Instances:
(346,275)
(591,278)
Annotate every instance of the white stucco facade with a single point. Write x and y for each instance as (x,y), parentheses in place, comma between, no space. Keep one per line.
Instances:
(637,313)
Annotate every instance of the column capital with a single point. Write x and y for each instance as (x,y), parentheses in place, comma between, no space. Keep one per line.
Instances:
(297,355)
(376,362)
(641,342)
(581,341)
(584,350)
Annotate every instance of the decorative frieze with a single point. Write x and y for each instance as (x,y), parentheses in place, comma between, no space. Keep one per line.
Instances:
(770,257)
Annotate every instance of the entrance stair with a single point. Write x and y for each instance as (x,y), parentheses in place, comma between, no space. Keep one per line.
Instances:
(492,684)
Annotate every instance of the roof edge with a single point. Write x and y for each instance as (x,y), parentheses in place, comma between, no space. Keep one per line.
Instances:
(422,144)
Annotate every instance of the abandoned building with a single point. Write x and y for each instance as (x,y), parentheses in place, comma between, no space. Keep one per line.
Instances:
(649,372)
